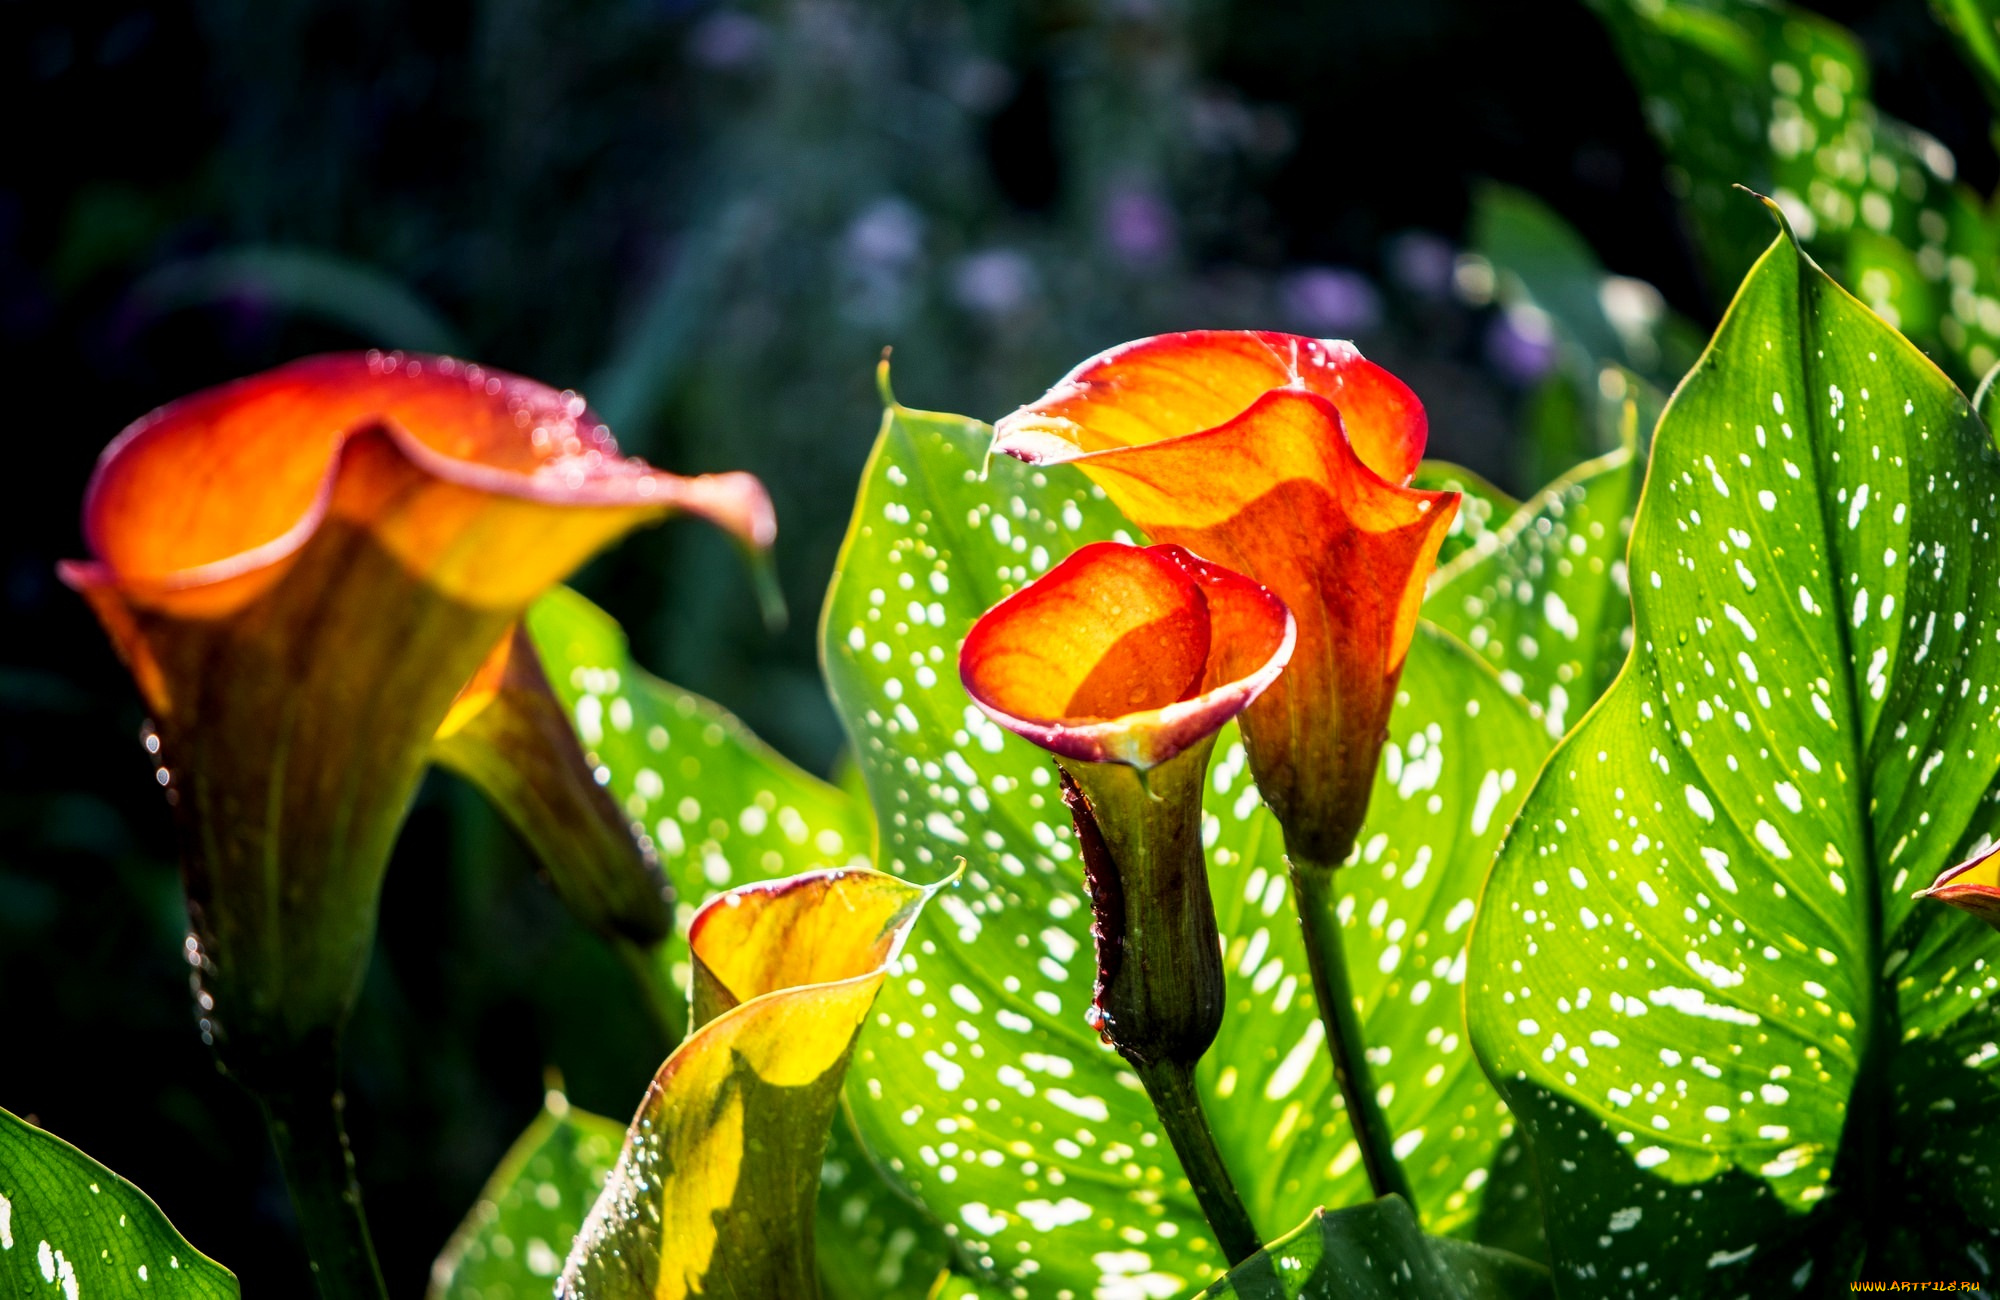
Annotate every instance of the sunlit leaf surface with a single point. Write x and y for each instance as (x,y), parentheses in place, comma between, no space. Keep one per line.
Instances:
(1377,1251)
(1770,96)
(978,1081)
(71,1228)
(1743,1053)
(1543,597)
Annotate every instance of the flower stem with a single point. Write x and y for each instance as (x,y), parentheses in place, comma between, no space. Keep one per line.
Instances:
(1313,886)
(1171,1086)
(304,1117)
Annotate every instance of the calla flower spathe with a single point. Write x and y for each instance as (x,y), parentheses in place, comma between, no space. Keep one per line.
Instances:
(1971,886)
(1284,458)
(1124,662)
(301,570)
(1126,654)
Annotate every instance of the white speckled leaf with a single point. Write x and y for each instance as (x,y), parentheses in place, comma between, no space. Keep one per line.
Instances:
(1543,597)
(979,1084)
(1742,92)
(1376,1251)
(512,1244)
(69,1227)
(1698,970)
(1482,509)
(720,806)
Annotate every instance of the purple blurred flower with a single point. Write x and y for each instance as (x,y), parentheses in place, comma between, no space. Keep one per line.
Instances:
(1331,300)
(995,282)
(880,252)
(887,235)
(1422,264)
(1138,225)
(727,40)
(1521,343)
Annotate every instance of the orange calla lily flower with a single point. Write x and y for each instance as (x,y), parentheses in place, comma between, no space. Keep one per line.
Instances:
(1285,458)
(301,570)
(1971,886)
(1124,662)
(1126,654)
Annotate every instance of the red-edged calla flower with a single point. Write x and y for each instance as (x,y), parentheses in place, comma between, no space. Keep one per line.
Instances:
(1972,886)
(1126,654)
(302,569)
(1285,458)
(1124,662)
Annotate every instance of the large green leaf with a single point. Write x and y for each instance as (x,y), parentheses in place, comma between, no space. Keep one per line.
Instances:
(69,1227)
(1743,1054)
(1377,1251)
(979,1084)
(1544,597)
(718,805)
(1745,92)
(512,1245)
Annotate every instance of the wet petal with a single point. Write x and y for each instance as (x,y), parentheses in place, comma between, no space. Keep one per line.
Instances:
(1174,384)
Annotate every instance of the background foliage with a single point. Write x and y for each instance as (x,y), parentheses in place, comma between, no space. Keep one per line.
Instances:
(711,218)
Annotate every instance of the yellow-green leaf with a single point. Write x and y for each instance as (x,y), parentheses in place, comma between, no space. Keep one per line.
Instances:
(511,1246)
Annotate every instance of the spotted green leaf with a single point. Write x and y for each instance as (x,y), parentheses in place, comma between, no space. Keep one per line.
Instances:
(1746,1059)
(1377,1251)
(69,1227)
(1482,509)
(873,1242)
(1543,597)
(978,1082)
(717,804)
(1743,92)
(511,1246)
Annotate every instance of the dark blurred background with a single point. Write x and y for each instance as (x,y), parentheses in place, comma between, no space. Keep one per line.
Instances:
(711,219)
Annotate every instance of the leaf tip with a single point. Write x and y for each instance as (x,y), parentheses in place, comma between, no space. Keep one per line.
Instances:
(882,387)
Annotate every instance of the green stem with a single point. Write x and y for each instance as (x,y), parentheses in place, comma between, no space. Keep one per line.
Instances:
(650,970)
(1313,885)
(1171,1086)
(304,1116)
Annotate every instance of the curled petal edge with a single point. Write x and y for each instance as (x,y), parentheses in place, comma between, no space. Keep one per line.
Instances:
(1391,420)
(1150,737)
(734,501)
(1972,886)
